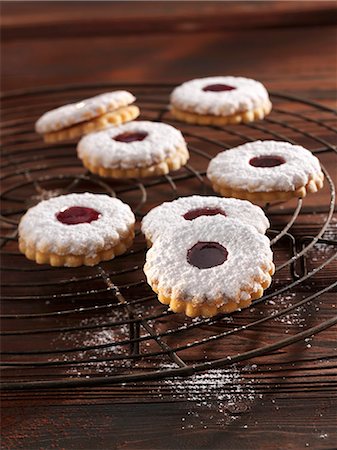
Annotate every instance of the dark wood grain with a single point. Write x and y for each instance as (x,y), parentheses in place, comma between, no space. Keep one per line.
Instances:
(268,425)
(31,20)
(281,58)
(290,46)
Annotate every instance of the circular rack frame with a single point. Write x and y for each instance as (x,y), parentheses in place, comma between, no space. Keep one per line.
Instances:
(39,301)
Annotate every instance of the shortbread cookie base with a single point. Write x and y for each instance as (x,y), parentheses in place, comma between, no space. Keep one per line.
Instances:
(208,119)
(314,184)
(175,162)
(195,307)
(70,260)
(117,117)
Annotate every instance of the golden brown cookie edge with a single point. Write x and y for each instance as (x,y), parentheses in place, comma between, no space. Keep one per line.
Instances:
(117,117)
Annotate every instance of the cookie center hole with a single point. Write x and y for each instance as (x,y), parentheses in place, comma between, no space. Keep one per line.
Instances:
(131,136)
(218,88)
(194,213)
(267,161)
(77,214)
(206,254)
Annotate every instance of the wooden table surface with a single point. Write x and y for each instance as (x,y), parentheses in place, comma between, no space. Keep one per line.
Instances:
(288,400)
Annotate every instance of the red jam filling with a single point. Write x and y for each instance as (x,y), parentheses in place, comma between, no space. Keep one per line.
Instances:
(206,254)
(267,161)
(218,88)
(77,214)
(194,213)
(131,137)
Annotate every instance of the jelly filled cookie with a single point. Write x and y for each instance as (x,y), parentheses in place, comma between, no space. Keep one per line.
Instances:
(209,267)
(76,229)
(220,101)
(265,171)
(170,215)
(92,114)
(136,149)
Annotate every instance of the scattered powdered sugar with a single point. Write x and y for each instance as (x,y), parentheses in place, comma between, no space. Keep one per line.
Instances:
(218,395)
(44,195)
(307,341)
(321,434)
(295,317)
(95,337)
(324,250)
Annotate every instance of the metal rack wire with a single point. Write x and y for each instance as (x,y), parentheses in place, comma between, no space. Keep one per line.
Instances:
(103,325)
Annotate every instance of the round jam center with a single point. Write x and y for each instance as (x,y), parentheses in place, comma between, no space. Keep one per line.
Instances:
(194,213)
(218,88)
(77,214)
(206,254)
(131,137)
(266,161)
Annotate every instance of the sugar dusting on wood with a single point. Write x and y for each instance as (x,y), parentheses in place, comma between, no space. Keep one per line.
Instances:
(220,396)
(103,338)
(295,317)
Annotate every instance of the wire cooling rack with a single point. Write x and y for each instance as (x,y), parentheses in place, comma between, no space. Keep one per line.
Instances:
(102,325)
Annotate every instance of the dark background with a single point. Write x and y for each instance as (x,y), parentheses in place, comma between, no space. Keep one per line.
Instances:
(291,48)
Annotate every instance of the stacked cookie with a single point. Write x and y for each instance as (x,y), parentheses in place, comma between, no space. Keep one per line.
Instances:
(208,255)
(92,114)
(111,147)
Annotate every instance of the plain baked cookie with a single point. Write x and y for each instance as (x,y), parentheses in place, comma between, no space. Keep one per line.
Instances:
(172,215)
(92,114)
(220,101)
(209,267)
(76,229)
(136,149)
(265,171)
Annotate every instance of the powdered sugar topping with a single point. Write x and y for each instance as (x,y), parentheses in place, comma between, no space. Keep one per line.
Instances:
(232,168)
(161,142)
(247,95)
(170,215)
(87,109)
(39,227)
(249,257)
